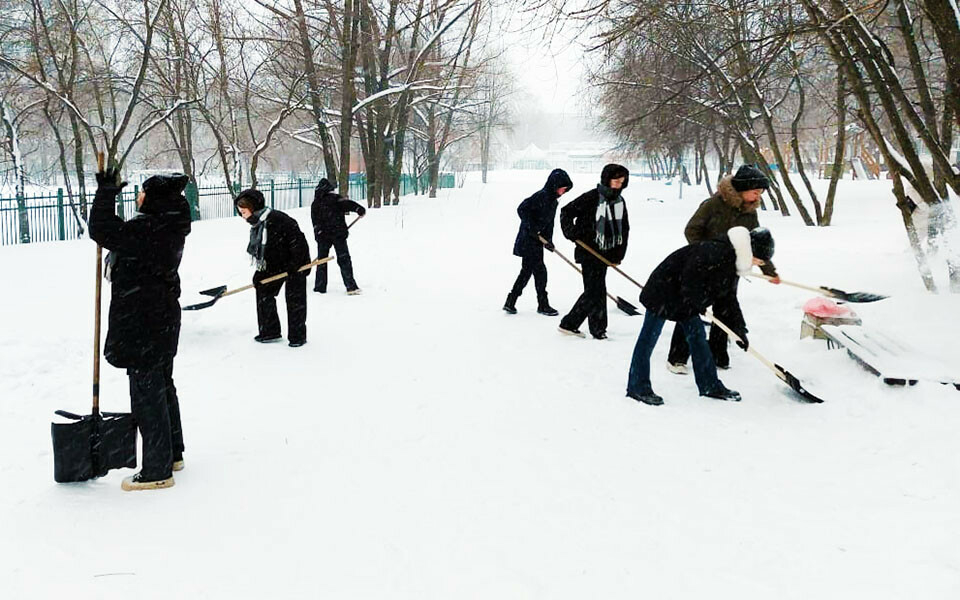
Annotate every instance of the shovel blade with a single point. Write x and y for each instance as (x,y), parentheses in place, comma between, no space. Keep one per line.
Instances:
(215,292)
(859,297)
(794,383)
(627,308)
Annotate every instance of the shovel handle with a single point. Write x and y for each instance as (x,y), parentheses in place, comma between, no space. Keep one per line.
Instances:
(769,363)
(599,257)
(810,288)
(574,265)
(277,277)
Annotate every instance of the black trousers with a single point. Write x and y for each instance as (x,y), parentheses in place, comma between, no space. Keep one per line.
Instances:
(268,320)
(343,260)
(154,404)
(592,303)
(531,266)
(680,351)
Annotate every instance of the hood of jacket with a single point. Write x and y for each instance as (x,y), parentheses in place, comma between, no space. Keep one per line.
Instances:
(557,179)
(730,196)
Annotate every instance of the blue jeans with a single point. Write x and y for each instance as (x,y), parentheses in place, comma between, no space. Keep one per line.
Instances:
(704,369)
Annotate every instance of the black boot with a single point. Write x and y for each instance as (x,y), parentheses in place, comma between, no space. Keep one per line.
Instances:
(510,306)
(544,308)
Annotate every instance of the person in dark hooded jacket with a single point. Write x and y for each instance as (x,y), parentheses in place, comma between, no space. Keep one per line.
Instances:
(276,246)
(537,214)
(144,320)
(680,289)
(734,204)
(598,218)
(330,229)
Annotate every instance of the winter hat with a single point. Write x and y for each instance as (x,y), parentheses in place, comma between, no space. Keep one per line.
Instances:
(162,192)
(761,243)
(250,198)
(325,186)
(749,177)
(614,171)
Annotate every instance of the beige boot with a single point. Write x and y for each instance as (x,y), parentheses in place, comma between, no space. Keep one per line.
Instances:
(134,483)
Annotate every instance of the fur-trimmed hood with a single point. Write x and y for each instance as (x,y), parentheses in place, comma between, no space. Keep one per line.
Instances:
(730,196)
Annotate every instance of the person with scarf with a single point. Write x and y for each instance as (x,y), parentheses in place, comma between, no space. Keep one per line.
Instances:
(681,288)
(537,214)
(143,330)
(277,245)
(598,218)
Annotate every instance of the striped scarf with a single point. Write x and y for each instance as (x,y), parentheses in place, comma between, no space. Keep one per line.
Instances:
(609,221)
(258,239)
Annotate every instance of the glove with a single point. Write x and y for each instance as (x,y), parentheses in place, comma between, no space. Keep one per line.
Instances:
(296,272)
(109,181)
(362,211)
(743,342)
(549,246)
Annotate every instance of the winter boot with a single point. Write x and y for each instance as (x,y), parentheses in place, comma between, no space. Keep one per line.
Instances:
(263,339)
(354,292)
(575,332)
(651,398)
(178,465)
(135,483)
(510,306)
(678,368)
(723,393)
(544,308)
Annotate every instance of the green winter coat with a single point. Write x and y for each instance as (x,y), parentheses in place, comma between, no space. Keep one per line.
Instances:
(718,213)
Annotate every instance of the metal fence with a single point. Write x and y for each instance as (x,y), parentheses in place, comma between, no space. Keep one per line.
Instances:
(51,217)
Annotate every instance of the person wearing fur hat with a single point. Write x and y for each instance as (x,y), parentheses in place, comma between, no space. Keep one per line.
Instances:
(143,328)
(735,204)
(680,289)
(598,218)
(330,229)
(276,246)
(537,214)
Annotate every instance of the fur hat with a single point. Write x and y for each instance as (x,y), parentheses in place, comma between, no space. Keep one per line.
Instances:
(615,171)
(250,198)
(749,177)
(761,243)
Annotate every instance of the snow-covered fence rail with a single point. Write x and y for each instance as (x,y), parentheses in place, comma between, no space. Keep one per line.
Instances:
(52,217)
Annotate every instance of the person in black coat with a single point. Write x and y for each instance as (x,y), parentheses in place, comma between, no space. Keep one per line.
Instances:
(598,218)
(680,289)
(330,229)
(537,214)
(144,320)
(276,246)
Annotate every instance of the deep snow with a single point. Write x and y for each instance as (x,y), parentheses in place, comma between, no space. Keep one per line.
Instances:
(424,444)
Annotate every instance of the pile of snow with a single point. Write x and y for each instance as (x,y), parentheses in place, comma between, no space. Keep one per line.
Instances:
(424,444)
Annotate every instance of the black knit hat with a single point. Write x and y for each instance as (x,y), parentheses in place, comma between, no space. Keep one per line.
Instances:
(162,192)
(615,171)
(251,198)
(761,243)
(749,177)
(325,186)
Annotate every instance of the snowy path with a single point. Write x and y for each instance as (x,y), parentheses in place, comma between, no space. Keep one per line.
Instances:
(423,444)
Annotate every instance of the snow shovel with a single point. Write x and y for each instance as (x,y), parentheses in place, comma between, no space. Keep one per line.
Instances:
(93,444)
(221,290)
(861,297)
(598,256)
(620,302)
(779,371)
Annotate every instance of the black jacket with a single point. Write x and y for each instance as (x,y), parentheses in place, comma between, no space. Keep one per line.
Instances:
(286,247)
(577,221)
(692,278)
(327,213)
(144,321)
(537,214)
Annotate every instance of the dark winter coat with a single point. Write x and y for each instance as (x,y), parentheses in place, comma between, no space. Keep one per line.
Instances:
(537,214)
(692,278)
(286,248)
(578,219)
(718,213)
(327,214)
(144,322)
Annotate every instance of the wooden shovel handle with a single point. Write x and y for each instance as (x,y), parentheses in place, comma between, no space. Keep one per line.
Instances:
(277,277)
(571,263)
(608,263)
(811,288)
(769,363)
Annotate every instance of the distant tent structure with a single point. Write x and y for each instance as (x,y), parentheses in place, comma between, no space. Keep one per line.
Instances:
(531,157)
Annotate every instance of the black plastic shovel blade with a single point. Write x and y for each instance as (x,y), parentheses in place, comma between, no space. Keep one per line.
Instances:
(215,292)
(794,383)
(859,297)
(627,307)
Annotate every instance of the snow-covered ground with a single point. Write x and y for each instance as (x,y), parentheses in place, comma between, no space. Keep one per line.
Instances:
(426,445)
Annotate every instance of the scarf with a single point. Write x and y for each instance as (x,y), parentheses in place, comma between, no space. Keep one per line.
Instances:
(609,220)
(258,238)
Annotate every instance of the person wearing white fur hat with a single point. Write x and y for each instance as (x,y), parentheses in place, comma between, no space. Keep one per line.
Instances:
(680,289)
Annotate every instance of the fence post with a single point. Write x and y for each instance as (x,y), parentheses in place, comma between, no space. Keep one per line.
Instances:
(193,199)
(300,191)
(271,193)
(61,230)
(24,218)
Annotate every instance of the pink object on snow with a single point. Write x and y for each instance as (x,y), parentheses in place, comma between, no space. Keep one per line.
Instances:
(825,308)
